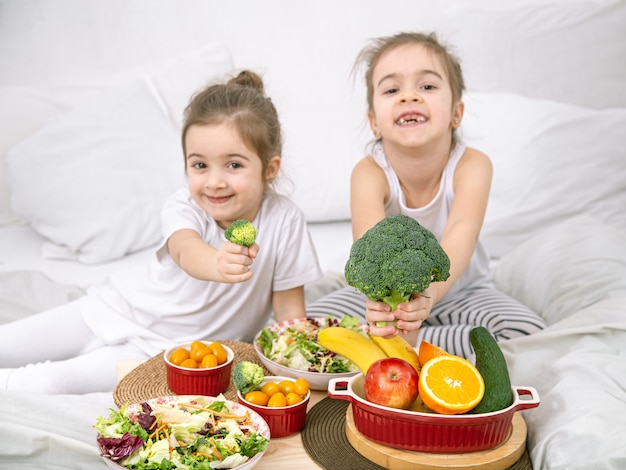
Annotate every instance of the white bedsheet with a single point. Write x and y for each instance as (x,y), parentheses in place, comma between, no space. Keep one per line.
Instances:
(574,274)
(21,249)
(51,432)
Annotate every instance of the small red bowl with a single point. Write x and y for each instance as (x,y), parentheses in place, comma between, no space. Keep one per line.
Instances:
(209,382)
(284,420)
(429,432)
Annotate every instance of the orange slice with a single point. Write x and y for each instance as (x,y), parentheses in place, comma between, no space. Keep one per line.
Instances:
(450,385)
(427,351)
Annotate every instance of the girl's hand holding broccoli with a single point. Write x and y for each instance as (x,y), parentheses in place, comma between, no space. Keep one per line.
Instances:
(406,319)
(236,255)
(234,261)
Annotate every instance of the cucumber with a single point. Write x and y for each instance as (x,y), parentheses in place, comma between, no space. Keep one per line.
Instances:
(492,366)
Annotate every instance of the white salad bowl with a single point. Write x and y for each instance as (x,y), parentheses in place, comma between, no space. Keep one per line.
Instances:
(257,423)
(317,380)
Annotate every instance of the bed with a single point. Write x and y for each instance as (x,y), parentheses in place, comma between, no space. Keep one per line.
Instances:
(546,100)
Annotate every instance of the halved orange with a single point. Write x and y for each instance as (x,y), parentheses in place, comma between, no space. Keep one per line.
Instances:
(450,385)
(427,351)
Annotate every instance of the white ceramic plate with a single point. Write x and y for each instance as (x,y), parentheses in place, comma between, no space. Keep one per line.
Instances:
(317,381)
(258,423)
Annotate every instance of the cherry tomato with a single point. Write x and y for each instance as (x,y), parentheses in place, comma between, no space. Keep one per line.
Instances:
(270,388)
(189,364)
(301,386)
(293,398)
(257,397)
(179,355)
(208,361)
(286,386)
(219,352)
(277,400)
(196,344)
(199,352)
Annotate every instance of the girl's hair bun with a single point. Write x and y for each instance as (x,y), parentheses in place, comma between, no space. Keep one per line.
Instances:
(248,79)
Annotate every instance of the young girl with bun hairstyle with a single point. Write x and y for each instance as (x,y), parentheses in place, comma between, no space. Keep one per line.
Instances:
(198,285)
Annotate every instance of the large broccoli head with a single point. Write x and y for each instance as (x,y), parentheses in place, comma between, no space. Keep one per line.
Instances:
(395,259)
(241,232)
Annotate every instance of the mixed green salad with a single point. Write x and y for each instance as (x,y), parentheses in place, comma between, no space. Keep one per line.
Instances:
(194,433)
(295,346)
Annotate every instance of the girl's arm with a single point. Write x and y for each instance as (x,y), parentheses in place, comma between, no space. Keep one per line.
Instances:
(368,192)
(289,304)
(230,263)
(472,183)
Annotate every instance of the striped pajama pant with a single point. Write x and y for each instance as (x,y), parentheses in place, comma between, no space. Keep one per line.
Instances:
(450,320)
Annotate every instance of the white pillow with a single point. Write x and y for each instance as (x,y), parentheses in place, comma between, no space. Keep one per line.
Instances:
(94,178)
(566,268)
(572,51)
(551,161)
(23,110)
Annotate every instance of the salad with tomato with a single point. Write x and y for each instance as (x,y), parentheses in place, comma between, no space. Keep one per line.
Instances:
(295,345)
(194,433)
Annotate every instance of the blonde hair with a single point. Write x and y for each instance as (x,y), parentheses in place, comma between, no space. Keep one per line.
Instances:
(242,102)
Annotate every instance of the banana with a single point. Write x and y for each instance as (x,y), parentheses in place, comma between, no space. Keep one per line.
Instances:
(355,347)
(397,347)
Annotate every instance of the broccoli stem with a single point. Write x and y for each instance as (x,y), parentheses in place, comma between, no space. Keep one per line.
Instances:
(396,298)
(393,300)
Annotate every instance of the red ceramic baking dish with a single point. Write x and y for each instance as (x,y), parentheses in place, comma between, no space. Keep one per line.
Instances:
(209,382)
(429,432)
(285,420)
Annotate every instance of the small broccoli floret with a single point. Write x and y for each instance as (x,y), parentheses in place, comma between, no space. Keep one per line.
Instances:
(396,259)
(241,232)
(247,376)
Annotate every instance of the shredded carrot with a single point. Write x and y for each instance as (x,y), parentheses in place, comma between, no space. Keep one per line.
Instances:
(216,452)
(162,428)
(203,454)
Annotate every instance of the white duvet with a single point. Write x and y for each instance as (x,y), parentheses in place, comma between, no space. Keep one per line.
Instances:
(573,273)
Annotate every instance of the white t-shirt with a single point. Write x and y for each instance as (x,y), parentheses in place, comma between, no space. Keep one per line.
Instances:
(160,304)
(434,215)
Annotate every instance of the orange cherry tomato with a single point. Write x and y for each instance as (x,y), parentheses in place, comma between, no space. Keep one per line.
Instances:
(270,388)
(178,356)
(277,400)
(208,361)
(189,364)
(196,344)
(286,386)
(257,397)
(219,352)
(301,386)
(199,352)
(293,398)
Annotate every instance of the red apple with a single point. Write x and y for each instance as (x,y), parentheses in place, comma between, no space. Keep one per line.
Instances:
(391,382)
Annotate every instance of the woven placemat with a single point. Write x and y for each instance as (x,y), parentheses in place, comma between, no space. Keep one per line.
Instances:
(149,379)
(325,440)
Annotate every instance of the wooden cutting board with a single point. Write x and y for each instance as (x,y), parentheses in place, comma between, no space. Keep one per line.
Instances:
(498,458)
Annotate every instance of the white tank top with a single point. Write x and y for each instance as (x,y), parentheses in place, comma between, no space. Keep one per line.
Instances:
(434,215)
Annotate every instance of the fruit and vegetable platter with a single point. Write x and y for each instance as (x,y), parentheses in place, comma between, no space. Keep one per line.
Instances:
(429,400)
